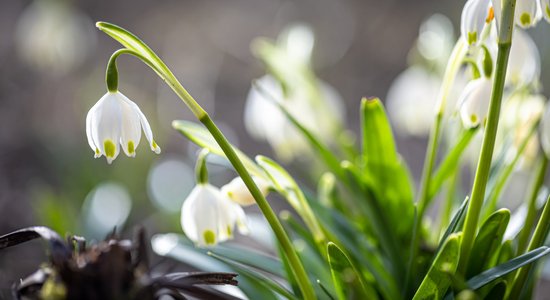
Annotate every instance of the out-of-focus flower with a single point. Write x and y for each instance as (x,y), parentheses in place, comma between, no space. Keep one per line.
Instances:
(411,100)
(519,113)
(524,60)
(436,40)
(237,191)
(528,13)
(474,102)
(545,131)
(264,120)
(475,15)
(115,120)
(208,217)
(53,36)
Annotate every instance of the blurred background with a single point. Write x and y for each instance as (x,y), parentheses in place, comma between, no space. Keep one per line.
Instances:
(52,64)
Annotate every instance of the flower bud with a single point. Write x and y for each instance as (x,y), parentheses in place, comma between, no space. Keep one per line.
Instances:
(237,191)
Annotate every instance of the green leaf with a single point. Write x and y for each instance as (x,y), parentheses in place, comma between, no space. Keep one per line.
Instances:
(262,278)
(390,177)
(450,163)
(499,271)
(456,222)
(324,289)
(437,280)
(200,136)
(346,277)
(487,242)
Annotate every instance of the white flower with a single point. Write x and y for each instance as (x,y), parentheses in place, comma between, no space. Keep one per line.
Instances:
(475,14)
(265,121)
(208,217)
(411,100)
(474,102)
(237,191)
(524,61)
(545,131)
(115,120)
(528,13)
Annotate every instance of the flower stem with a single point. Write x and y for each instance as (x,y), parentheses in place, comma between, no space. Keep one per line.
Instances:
(487,148)
(536,241)
(299,271)
(455,60)
(532,206)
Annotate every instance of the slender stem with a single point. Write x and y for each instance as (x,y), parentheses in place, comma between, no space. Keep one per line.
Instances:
(298,268)
(484,163)
(451,70)
(449,201)
(532,206)
(536,241)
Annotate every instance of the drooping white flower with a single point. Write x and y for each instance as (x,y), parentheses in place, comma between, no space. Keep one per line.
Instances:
(115,120)
(475,14)
(524,61)
(237,191)
(208,217)
(545,130)
(527,13)
(474,102)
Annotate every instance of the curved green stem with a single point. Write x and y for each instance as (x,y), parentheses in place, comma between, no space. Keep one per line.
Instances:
(455,60)
(138,48)
(484,163)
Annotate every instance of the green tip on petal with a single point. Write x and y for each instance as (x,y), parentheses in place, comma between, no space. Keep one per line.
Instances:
(525,19)
(110,148)
(97,153)
(131,147)
(472,37)
(473,118)
(228,230)
(209,237)
(548,10)
(155,147)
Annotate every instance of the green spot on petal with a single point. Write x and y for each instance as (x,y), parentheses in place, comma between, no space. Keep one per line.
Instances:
(131,147)
(548,11)
(525,19)
(228,230)
(154,144)
(472,37)
(110,148)
(473,118)
(209,237)
(97,152)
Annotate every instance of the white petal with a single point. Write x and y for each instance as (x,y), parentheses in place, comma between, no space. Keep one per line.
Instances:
(93,144)
(528,13)
(144,124)
(130,126)
(200,215)
(473,19)
(105,126)
(475,102)
(237,191)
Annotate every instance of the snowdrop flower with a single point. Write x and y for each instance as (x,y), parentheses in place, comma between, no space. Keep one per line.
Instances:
(524,62)
(475,14)
(115,120)
(208,217)
(237,191)
(411,100)
(53,36)
(474,102)
(528,13)
(265,121)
